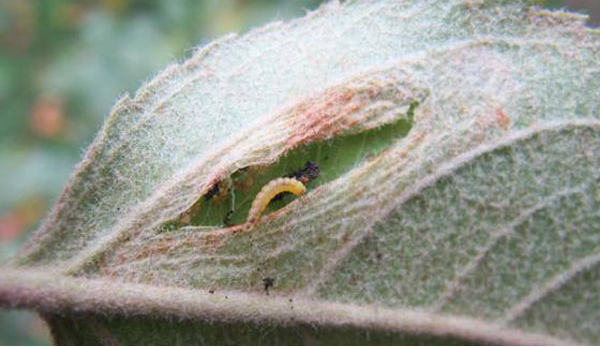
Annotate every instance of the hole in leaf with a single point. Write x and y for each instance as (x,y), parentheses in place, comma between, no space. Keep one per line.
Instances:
(228,202)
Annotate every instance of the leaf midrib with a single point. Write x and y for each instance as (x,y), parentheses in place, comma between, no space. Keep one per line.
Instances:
(34,288)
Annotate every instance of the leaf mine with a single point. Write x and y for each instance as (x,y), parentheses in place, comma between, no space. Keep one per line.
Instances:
(458,149)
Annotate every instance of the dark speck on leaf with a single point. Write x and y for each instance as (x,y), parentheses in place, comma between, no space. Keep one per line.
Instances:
(310,172)
(227,219)
(268,282)
(214,190)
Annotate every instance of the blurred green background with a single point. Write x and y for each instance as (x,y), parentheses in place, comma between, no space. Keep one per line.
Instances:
(63,64)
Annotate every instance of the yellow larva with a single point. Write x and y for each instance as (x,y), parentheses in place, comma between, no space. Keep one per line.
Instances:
(270,190)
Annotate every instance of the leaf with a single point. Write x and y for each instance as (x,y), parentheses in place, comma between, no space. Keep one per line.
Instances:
(459,149)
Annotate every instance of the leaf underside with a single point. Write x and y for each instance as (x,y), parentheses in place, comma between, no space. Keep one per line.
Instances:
(458,198)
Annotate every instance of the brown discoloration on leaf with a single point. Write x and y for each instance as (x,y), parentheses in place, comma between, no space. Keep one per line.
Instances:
(350,107)
(323,118)
(494,118)
(418,137)
(203,242)
(475,83)
(502,119)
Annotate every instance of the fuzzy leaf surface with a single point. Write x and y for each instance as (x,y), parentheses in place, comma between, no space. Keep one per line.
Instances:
(458,201)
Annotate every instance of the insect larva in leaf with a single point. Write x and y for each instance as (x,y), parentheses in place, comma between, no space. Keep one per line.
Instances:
(269,191)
